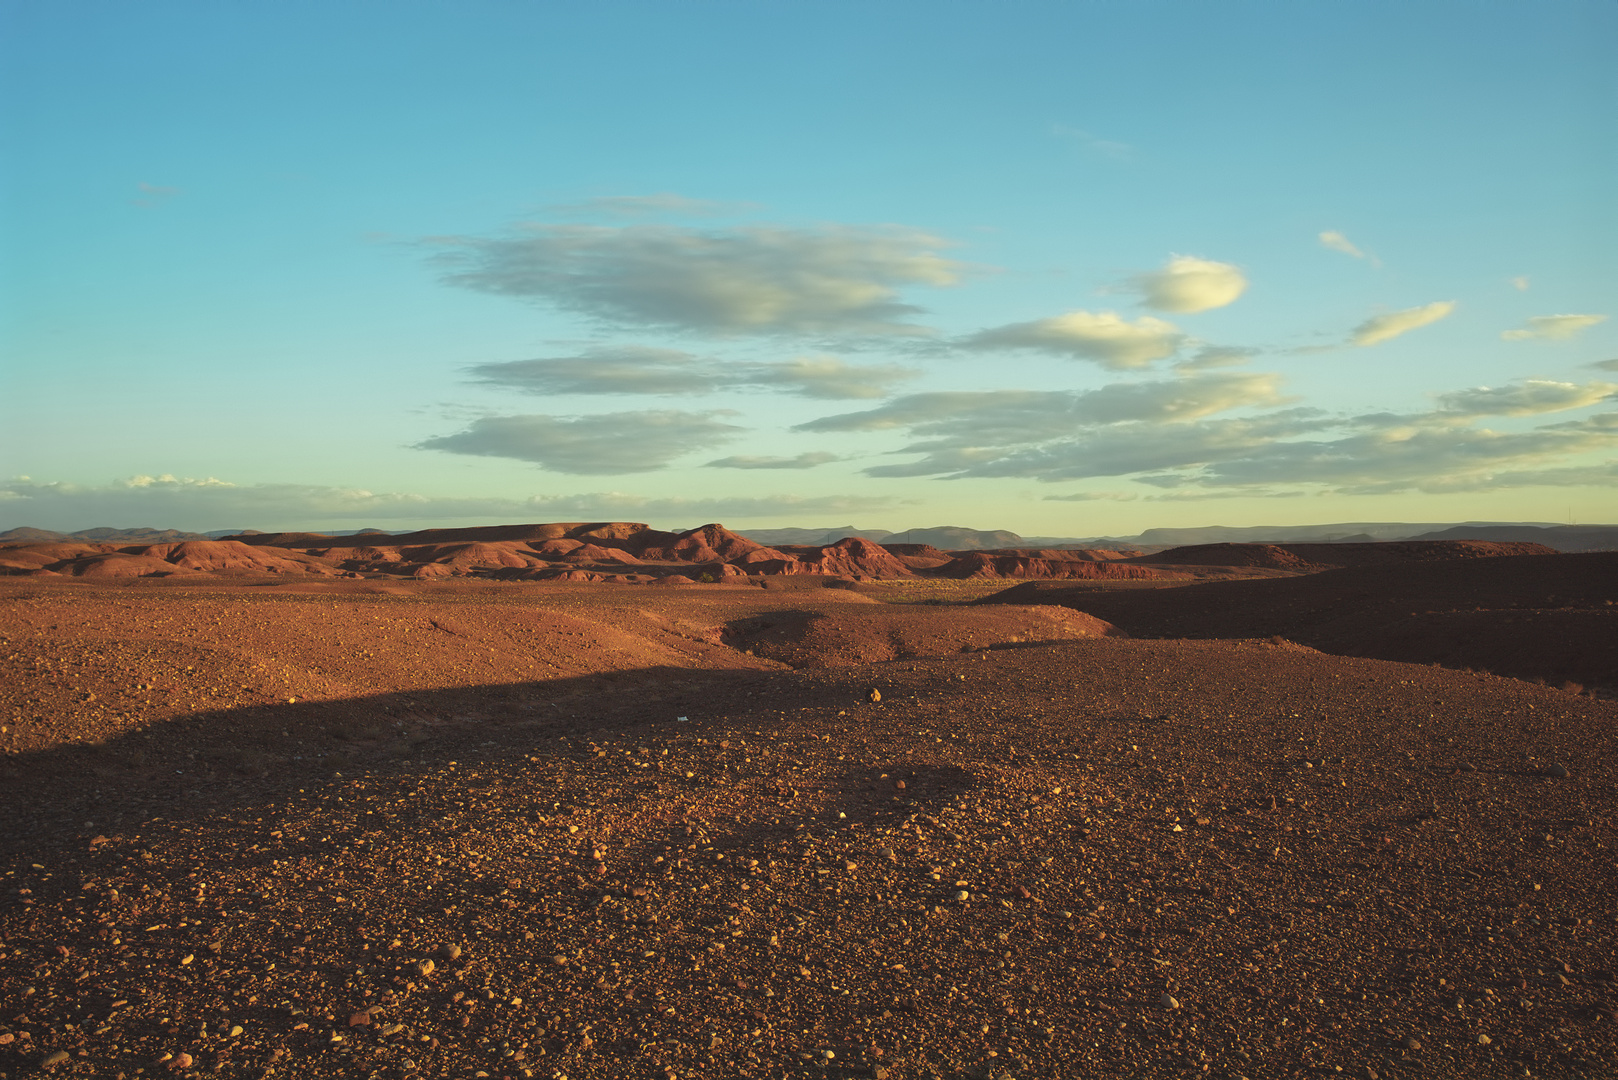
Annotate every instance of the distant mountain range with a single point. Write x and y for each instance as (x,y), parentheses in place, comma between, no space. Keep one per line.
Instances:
(957,538)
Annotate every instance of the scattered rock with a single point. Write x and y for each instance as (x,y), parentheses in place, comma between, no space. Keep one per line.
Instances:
(1168,1001)
(1484,1040)
(874,696)
(449,951)
(425,967)
(1558,770)
(55,1057)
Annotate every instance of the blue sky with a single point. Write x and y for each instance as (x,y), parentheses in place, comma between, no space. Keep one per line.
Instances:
(1069,269)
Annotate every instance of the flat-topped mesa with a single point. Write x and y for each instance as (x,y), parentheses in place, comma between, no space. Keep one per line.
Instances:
(1310,557)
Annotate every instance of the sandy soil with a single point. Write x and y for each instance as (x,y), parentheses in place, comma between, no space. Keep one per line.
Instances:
(456,829)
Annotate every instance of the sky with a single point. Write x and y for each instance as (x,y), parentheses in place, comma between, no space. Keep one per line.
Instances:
(1069,269)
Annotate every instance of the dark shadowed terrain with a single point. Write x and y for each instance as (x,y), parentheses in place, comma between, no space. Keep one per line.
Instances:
(1252,821)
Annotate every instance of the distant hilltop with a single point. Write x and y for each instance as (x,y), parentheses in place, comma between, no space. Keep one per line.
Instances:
(959,538)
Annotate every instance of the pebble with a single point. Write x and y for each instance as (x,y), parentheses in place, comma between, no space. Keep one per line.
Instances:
(874,696)
(963,896)
(1169,1002)
(425,967)
(1410,1042)
(1557,770)
(1484,1040)
(886,853)
(182,1061)
(55,1057)
(559,960)
(449,952)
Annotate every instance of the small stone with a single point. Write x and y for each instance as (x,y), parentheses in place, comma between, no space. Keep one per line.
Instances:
(182,1061)
(1370,1073)
(1410,1042)
(849,864)
(559,960)
(1484,1040)
(360,1019)
(55,1057)
(425,967)
(187,959)
(235,1030)
(1169,1002)
(886,853)
(1557,769)
(962,896)
(1563,979)
(449,951)
(874,696)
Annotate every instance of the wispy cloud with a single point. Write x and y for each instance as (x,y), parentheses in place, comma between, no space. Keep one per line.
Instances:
(1380,328)
(1106,148)
(1552,327)
(600,444)
(1189,284)
(831,280)
(150,195)
(634,369)
(1336,241)
(210,504)
(1520,283)
(1104,337)
(802,461)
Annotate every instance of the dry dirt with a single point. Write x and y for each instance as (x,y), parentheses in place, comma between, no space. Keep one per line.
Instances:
(350,828)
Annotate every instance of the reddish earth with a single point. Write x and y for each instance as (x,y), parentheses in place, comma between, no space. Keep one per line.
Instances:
(307,825)
(613,552)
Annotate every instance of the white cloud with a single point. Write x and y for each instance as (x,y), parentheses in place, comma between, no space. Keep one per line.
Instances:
(1335,240)
(837,279)
(1528,398)
(600,444)
(1380,328)
(1188,285)
(802,461)
(634,369)
(1552,327)
(1105,337)
(1520,283)
(203,506)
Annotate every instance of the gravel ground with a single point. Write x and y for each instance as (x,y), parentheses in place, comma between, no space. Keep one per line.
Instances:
(1088,858)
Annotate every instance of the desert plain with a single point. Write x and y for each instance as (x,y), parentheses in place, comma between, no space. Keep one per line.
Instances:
(475,806)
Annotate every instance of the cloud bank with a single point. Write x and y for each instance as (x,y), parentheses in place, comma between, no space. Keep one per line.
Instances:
(210,504)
